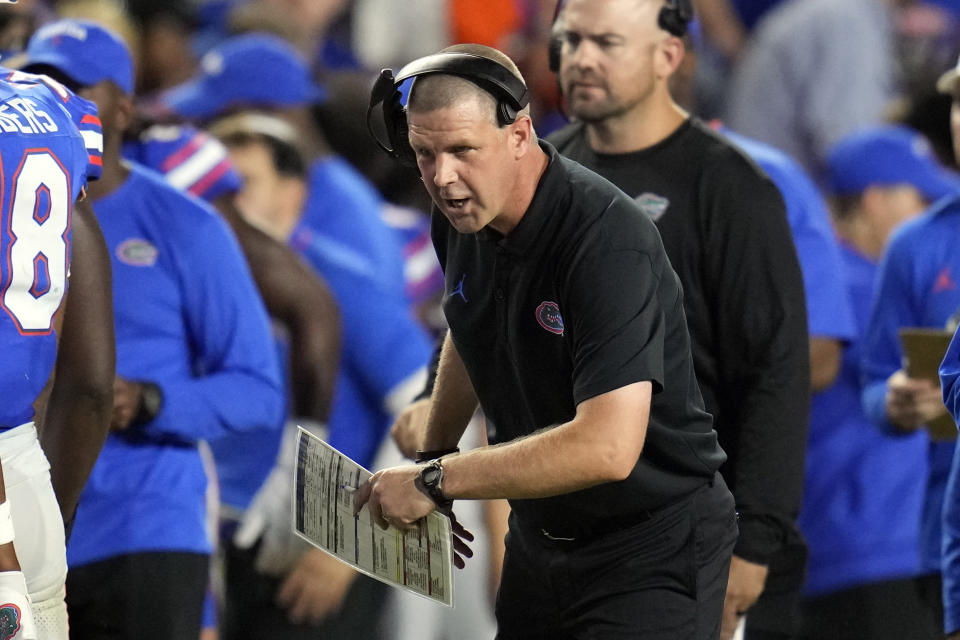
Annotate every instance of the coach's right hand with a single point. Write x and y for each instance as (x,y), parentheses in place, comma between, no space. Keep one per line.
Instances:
(408,427)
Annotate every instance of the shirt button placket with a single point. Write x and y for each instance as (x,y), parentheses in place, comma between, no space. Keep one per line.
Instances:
(501,277)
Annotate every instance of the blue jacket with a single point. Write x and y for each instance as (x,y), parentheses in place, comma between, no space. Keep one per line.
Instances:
(949,377)
(855,476)
(864,489)
(917,286)
(189,319)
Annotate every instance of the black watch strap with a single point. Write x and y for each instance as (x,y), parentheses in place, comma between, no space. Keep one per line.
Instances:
(433,454)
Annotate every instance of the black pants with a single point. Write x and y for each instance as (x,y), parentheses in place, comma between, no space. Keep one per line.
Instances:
(141,596)
(888,610)
(250,610)
(931,593)
(664,578)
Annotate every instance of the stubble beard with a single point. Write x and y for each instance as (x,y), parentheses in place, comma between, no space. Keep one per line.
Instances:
(592,112)
(607,108)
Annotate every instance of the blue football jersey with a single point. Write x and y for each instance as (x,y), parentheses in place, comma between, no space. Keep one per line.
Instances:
(50,144)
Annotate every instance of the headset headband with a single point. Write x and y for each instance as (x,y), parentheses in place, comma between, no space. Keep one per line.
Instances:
(509,90)
(491,76)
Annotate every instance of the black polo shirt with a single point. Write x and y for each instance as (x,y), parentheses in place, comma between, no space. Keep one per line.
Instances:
(724,227)
(578,300)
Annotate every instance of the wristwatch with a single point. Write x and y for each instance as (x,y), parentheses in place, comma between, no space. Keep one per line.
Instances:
(151,401)
(430,482)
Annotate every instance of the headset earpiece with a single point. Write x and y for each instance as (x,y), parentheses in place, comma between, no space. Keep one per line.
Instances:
(506,114)
(555,48)
(386,92)
(553,52)
(675,17)
(398,133)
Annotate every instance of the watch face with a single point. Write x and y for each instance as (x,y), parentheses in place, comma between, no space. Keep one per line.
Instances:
(151,399)
(431,476)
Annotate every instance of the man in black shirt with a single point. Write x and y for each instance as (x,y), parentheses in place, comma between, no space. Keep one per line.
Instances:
(567,326)
(725,231)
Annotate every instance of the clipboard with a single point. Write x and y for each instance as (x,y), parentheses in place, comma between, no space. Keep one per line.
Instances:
(419,561)
(923,351)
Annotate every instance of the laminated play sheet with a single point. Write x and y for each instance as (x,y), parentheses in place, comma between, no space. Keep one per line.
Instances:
(420,561)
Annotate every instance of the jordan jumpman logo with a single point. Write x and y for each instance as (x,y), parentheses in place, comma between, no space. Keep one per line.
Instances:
(459,290)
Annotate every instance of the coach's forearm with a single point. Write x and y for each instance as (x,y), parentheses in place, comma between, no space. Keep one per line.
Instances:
(601,444)
(452,404)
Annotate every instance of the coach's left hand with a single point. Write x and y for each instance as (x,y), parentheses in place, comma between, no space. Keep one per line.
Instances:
(394,498)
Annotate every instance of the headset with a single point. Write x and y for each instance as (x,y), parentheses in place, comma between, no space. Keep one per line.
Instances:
(509,90)
(674,18)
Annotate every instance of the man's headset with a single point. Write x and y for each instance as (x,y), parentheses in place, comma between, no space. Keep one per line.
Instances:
(509,90)
(674,18)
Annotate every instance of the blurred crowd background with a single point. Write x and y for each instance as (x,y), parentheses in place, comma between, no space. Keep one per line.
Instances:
(859,62)
(800,75)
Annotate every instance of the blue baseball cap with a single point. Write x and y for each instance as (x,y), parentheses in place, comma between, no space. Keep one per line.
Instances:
(886,156)
(83,51)
(254,70)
